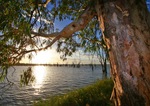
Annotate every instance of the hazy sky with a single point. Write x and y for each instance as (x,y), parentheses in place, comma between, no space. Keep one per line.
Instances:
(52,57)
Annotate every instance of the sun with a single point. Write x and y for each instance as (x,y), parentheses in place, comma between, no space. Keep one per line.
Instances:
(42,57)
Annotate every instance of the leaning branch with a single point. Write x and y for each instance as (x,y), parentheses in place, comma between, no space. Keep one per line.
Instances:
(73,27)
(67,32)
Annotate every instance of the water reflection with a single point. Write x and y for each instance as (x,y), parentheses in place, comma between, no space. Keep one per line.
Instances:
(49,81)
(39,73)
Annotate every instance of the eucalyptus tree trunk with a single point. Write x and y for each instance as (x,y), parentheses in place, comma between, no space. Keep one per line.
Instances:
(126,28)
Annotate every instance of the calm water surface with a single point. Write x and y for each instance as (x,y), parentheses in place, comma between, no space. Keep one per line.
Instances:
(49,81)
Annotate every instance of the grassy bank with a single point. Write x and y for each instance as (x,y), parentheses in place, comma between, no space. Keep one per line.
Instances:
(97,94)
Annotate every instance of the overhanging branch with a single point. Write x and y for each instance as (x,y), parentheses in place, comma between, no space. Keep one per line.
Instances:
(73,27)
(45,35)
(44,48)
(67,32)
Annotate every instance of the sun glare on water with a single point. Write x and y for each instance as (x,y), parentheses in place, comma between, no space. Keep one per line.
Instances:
(39,73)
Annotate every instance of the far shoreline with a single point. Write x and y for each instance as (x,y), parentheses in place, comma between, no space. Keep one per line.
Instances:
(35,64)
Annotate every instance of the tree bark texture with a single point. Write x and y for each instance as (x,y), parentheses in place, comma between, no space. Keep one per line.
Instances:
(126,28)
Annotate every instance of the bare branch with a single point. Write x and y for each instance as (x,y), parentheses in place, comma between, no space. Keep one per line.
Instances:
(44,48)
(44,4)
(1,36)
(45,35)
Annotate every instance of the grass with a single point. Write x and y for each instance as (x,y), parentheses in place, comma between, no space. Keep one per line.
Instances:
(97,94)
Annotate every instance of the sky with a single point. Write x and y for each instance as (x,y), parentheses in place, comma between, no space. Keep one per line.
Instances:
(148,4)
(52,57)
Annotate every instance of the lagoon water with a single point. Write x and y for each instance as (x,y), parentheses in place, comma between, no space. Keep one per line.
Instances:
(49,81)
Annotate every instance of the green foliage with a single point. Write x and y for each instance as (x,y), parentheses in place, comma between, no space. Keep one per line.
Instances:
(3,73)
(19,17)
(67,47)
(68,9)
(97,94)
(27,77)
(89,39)
(91,36)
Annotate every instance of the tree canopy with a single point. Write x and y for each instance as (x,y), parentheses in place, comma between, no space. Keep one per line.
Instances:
(27,26)
(124,25)
(24,22)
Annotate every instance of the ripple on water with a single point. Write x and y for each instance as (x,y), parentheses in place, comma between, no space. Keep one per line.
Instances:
(57,80)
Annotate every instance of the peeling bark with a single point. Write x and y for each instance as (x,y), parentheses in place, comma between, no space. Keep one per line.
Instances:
(127,36)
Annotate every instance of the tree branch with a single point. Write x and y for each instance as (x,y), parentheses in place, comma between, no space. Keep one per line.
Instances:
(45,35)
(67,32)
(44,4)
(73,27)
(44,48)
